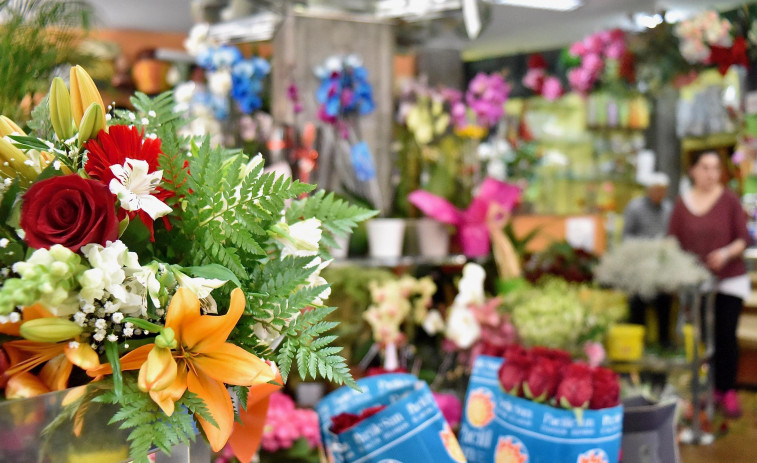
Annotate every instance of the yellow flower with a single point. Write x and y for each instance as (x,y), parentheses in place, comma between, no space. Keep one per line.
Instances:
(83,93)
(205,363)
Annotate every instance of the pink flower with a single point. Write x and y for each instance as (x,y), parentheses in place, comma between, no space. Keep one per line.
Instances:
(451,407)
(578,49)
(593,63)
(595,353)
(534,79)
(615,49)
(593,44)
(580,80)
(552,88)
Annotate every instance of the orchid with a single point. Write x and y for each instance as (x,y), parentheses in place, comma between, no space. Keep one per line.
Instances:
(134,187)
(204,362)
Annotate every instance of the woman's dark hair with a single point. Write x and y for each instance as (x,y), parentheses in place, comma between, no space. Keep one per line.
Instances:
(695,156)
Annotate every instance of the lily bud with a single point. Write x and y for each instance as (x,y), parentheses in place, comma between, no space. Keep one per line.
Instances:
(60,109)
(91,123)
(83,94)
(49,329)
(15,163)
(82,355)
(159,370)
(8,127)
(166,339)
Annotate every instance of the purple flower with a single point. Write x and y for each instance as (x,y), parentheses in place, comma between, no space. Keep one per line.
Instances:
(451,407)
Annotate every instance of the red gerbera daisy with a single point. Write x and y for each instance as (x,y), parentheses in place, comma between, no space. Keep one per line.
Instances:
(114,146)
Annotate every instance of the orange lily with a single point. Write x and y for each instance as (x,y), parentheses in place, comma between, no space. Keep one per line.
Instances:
(59,358)
(206,363)
(248,431)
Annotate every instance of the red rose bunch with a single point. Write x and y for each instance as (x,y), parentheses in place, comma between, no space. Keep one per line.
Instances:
(344,421)
(549,375)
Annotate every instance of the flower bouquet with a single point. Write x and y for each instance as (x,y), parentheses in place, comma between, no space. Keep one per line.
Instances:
(157,269)
(539,405)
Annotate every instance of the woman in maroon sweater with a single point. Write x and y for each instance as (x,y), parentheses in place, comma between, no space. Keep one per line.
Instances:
(709,221)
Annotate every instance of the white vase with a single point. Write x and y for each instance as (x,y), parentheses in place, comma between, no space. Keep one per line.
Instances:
(433,237)
(385,237)
(342,249)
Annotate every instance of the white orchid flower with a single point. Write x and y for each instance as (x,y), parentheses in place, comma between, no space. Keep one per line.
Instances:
(471,286)
(134,186)
(462,327)
(433,323)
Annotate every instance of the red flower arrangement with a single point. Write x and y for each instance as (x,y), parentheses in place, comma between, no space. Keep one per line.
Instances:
(550,376)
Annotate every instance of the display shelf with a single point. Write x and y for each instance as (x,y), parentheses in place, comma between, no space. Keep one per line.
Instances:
(406,261)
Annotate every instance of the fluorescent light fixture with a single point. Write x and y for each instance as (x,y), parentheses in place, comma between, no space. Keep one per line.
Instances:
(557,5)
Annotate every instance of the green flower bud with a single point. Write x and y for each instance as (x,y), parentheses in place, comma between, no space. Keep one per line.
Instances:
(166,339)
(49,329)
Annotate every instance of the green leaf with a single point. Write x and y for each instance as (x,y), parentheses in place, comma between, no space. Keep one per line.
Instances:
(215,271)
(30,143)
(111,351)
(6,205)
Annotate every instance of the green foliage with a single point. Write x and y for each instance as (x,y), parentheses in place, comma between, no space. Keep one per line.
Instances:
(150,427)
(35,37)
(338,217)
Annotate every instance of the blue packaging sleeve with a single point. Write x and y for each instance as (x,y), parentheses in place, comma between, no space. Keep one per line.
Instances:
(498,427)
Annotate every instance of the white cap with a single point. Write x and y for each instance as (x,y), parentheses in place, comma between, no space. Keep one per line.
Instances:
(656,179)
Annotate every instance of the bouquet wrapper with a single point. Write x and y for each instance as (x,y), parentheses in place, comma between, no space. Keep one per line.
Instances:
(411,428)
(498,427)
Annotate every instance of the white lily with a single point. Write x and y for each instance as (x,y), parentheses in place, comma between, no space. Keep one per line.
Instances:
(134,186)
(200,286)
(300,239)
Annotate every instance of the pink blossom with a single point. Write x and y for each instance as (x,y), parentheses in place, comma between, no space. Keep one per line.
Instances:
(593,63)
(580,80)
(578,49)
(593,44)
(534,79)
(595,353)
(615,49)
(451,407)
(552,88)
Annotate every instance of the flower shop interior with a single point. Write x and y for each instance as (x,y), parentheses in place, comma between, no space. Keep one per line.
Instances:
(378,231)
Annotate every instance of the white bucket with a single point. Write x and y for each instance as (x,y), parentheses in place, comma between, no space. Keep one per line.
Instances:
(433,237)
(385,237)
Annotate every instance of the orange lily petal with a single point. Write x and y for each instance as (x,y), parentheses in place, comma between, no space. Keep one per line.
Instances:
(83,356)
(11,329)
(56,372)
(23,386)
(167,397)
(183,309)
(209,331)
(219,405)
(158,371)
(29,313)
(25,355)
(131,361)
(246,436)
(231,364)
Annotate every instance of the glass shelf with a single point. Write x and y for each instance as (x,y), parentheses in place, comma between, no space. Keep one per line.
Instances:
(406,261)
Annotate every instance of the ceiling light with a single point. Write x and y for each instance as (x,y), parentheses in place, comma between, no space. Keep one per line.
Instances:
(558,5)
(650,21)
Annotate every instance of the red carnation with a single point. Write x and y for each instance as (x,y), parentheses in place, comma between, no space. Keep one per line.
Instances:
(536,61)
(70,211)
(512,373)
(575,389)
(541,381)
(114,146)
(606,389)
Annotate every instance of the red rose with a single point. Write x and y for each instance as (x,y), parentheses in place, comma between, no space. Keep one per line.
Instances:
(512,373)
(558,356)
(345,421)
(536,61)
(541,381)
(575,389)
(70,211)
(606,389)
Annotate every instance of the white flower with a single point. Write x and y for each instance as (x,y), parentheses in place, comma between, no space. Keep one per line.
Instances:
(112,338)
(99,336)
(73,345)
(128,330)
(315,279)
(198,39)
(117,317)
(4,242)
(134,188)
(100,324)
(433,323)
(200,286)
(219,82)
(462,327)
(146,277)
(14,317)
(300,239)
(80,318)
(110,265)
(471,286)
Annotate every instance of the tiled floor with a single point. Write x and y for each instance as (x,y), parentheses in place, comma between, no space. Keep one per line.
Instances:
(738,445)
